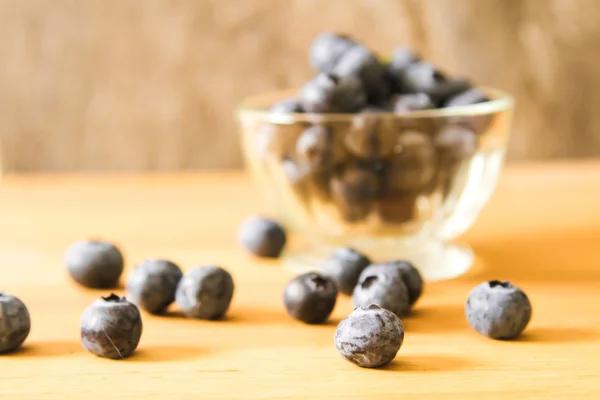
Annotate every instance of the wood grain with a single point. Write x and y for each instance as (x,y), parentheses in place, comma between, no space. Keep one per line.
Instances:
(541,230)
(152,84)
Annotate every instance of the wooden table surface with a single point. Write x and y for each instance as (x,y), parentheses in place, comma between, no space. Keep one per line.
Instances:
(541,230)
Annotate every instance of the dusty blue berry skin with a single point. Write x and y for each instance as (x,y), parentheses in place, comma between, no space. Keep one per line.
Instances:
(330,93)
(95,264)
(15,323)
(344,266)
(411,277)
(370,337)
(498,309)
(310,297)
(152,285)
(111,327)
(262,236)
(382,285)
(327,49)
(205,292)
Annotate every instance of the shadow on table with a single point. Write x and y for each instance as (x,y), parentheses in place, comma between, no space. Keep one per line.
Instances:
(152,353)
(411,363)
(549,335)
(571,257)
(48,349)
(436,318)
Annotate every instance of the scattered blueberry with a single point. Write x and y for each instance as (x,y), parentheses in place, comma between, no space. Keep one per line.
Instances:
(287,106)
(111,327)
(467,97)
(152,285)
(262,237)
(412,102)
(370,337)
(344,266)
(382,285)
(329,93)
(327,49)
(15,323)
(95,264)
(310,297)
(498,309)
(412,279)
(205,292)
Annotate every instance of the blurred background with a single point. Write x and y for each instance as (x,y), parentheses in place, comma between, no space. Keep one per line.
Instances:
(153,84)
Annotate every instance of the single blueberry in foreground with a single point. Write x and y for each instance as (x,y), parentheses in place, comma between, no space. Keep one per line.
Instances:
(382,285)
(262,237)
(152,285)
(95,264)
(370,337)
(310,297)
(15,322)
(344,266)
(205,292)
(498,309)
(111,327)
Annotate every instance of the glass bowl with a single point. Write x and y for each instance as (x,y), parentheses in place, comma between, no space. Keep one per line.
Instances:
(392,186)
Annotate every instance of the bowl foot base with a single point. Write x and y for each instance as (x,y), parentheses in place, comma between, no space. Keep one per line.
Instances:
(436,261)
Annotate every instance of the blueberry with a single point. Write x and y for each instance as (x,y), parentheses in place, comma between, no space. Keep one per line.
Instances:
(310,297)
(446,89)
(412,102)
(382,285)
(287,106)
(455,143)
(329,93)
(419,77)
(14,323)
(262,236)
(397,207)
(152,285)
(411,277)
(498,309)
(401,58)
(413,164)
(353,190)
(111,327)
(313,147)
(370,337)
(344,266)
(95,264)
(467,97)
(205,292)
(327,49)
(361,63)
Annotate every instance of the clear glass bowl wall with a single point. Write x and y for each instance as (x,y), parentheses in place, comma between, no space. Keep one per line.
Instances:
(374,179)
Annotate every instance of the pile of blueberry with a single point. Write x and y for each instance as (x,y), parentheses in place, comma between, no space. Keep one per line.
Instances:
(373,164)
(370,336)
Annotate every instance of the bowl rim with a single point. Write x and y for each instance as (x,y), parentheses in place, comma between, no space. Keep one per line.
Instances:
(253,108)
